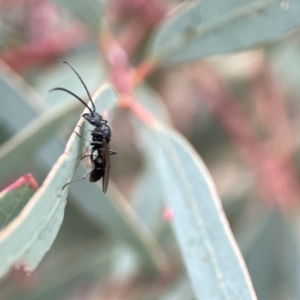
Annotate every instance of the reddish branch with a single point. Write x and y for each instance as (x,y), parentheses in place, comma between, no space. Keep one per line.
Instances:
(143,70)
(122,77)
(269,97)
(275,176)
(272,113)
(147,12)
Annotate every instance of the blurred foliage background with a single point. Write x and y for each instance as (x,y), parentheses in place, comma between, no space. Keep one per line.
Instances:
(240,111)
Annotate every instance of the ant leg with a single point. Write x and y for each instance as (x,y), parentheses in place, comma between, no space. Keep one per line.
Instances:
(84,156)
(83,129)
(78,135)
(89,130)
(94,142)
(84,177)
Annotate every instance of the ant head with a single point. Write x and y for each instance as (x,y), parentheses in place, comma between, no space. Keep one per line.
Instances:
(94,119)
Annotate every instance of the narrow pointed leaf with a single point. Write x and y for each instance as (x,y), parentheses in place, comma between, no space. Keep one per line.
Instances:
(117,217)
(178,291)
(17,113)
(147,199)
(212,258)
(17,150)
(88,12)
(213,27)
(112,211)
(75,267)
(138,235)
(26,239)
(279,237)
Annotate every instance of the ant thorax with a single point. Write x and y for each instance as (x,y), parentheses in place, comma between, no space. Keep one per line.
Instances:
(105,130)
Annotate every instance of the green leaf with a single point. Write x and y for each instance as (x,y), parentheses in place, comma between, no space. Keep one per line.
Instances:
(212,258)
(20,105)
(88,11)
(289,256)
(25,240)
(275,250)
(285,58)
(16,113)
(213,27)
(17,150)
(132,230)
(151,99)
(147,199)
(178,291)
(14,198)
(113,212)
(90,259)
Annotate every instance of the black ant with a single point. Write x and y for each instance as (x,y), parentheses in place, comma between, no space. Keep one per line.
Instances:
(101,136)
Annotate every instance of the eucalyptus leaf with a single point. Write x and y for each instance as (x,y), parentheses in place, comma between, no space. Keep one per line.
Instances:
(215,266)
(206,28)
(20,105)
(89,259)
(285,59)
(153,102)
(275,250)
(116,216)
(25,241)
(119,222)
(17,150)
(30,235)
(112,211)
(147,199)
(88,11)
(178,291)
(288,267)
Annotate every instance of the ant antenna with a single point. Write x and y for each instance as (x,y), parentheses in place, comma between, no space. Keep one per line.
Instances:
(69,92)
(87,91)
(83,178)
